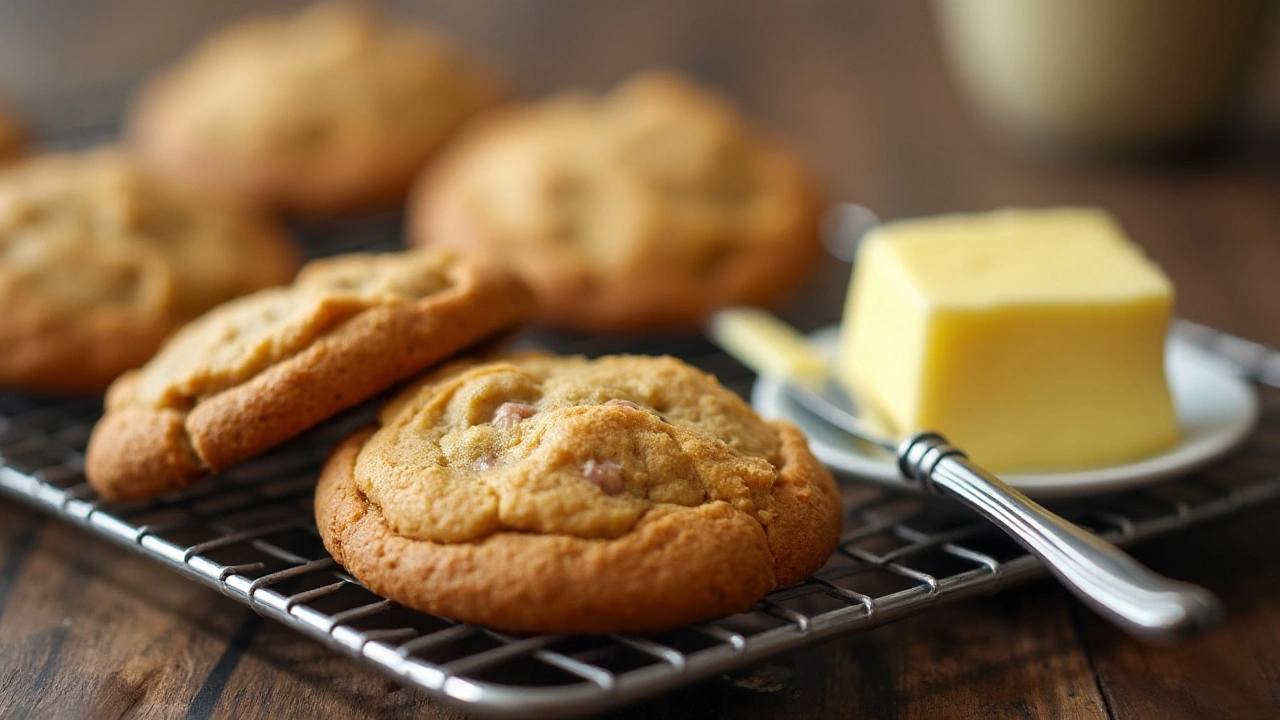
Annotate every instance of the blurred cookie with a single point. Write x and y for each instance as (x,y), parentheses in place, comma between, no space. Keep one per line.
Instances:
(100,261)
(329,110)
(558,494)
(646,208)
(13,138)
(257,371)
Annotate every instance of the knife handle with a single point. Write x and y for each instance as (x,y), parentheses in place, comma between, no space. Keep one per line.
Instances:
(1143,603)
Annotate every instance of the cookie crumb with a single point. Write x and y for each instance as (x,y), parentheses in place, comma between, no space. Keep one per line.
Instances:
(761,679)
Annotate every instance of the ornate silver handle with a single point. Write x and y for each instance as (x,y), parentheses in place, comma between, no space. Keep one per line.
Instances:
(1111,582)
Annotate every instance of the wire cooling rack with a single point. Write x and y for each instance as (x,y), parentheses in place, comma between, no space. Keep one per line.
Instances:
(251,535)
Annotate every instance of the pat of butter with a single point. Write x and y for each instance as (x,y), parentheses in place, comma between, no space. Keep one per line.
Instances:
(1032,339)
(767,345)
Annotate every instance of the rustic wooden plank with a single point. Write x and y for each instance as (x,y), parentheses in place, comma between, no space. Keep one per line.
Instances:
(1234,672)
(1013,656)
(1010,656)
(91,631)
(17,537)
(281,673)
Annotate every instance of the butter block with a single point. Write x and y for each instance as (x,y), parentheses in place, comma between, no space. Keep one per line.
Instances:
(1032,339)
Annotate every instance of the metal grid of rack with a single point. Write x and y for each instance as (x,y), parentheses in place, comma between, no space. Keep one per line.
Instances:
(250,534)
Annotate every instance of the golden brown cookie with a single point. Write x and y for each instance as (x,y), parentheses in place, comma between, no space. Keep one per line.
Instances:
(646,208)
(329,110)
(100,261)
(557,494)
(257,371)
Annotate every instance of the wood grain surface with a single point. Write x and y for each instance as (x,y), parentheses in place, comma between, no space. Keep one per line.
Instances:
(88,630)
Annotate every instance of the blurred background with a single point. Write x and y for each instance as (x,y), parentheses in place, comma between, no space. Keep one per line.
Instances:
(863,88)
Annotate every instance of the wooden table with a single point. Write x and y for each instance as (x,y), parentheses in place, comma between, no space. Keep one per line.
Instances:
(88,630)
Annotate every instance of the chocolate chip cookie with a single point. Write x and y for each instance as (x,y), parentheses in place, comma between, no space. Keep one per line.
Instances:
(536,493)
(329,110)
(647,208)
(100,261)
(257,371)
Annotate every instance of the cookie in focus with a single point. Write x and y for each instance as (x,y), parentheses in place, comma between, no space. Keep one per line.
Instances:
(643,209)
(100,261)
(261,369)
(535,493)
(330,110)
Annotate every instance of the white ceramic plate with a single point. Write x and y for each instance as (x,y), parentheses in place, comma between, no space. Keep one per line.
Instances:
(1216,409)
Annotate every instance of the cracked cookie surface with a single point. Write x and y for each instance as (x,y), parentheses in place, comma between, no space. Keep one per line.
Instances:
(551,494)
(100,261)
(645,208)
(327,110)
(256,371)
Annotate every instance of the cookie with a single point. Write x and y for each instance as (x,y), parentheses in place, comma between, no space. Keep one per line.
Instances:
(100,261)
(325,111)
(535,493)
(644,209)
(13,138)
(257,371)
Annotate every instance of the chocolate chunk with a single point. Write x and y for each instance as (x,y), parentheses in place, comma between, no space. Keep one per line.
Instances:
(486,462)
(606,475)
(628,404)
(509,414)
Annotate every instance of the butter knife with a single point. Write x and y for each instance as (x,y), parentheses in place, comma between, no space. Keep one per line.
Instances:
(1130,595)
